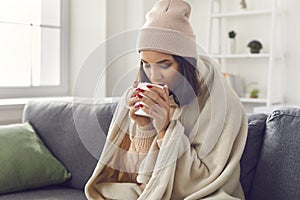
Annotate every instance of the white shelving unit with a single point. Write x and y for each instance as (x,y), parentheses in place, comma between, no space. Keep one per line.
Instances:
(242,13)
(239,56)
(271,60)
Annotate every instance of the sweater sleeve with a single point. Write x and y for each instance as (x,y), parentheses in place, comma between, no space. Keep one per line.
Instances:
(142,140)
(139,147)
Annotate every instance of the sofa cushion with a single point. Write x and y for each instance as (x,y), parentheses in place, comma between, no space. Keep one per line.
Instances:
(74,131)
(278,170)
(25,162)
(256,129)
(50,193)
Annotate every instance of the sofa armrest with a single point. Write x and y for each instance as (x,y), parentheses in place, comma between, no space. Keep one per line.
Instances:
(256,130)
(278,170)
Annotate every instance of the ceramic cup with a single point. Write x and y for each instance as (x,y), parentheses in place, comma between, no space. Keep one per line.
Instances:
(143,85)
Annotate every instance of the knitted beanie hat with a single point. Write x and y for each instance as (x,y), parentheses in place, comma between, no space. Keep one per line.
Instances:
(168,30)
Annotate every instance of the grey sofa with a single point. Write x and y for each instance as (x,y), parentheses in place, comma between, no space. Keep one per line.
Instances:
(75,132)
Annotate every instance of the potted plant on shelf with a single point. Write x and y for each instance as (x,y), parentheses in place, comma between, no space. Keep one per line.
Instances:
(254,91)
(232,42)
(255,46)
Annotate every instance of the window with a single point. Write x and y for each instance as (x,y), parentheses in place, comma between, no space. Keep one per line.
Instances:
(33,48)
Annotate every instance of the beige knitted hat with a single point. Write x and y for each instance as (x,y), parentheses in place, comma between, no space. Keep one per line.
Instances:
(168,30)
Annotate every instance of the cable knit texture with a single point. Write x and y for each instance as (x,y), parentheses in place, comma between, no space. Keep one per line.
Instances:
(139,147)
(143,140)
(168,30)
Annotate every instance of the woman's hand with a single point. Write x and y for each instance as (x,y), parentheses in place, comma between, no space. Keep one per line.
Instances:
(140,120)
(158,106)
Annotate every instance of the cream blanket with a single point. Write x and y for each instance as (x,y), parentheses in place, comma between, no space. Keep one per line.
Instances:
(199,156)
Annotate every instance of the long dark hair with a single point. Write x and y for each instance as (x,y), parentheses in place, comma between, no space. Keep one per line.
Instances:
(190,87)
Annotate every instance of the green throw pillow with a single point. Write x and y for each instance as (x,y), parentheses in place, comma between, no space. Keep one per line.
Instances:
(25,162)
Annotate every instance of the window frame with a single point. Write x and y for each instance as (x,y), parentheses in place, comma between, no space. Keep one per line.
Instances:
(45,91)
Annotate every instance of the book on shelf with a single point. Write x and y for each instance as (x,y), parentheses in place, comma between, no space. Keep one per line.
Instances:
(236,83)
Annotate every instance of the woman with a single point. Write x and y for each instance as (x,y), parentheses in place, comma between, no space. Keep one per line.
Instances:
(190,145)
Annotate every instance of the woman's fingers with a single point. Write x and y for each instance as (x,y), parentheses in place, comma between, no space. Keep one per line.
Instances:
(132,101)
(135,84)
(155,111)
(140,120)
(135,92)
(132,111)
(162,92)
(159,116)
(133,97)
(151,99)
(156,94)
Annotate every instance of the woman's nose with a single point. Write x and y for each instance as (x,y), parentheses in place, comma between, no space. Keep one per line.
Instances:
(155,73)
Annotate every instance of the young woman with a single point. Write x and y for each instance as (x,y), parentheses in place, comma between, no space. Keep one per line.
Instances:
(190,144)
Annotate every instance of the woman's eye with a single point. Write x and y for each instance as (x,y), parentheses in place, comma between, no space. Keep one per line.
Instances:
(146,65)
(166,66)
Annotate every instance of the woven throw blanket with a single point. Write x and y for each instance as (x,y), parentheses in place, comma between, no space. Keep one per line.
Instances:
(199,155)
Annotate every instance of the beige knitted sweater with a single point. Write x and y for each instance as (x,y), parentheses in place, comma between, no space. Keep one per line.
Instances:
(198,157)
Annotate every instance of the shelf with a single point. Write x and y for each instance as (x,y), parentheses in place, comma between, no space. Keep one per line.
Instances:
(275,100)
(225,18)
(237,56)
(253,100)
(242,13)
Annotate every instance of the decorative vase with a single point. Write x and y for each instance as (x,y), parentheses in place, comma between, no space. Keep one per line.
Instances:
(232,45)
(243,5)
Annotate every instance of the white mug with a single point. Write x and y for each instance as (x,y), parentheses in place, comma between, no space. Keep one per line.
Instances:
(143,85)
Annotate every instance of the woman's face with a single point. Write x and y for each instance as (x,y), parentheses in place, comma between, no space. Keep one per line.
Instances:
(161,68)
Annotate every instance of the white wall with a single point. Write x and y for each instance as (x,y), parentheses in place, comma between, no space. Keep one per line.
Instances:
(87,32)
(92,24)
(123,20)
(199,18)
(292,86)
